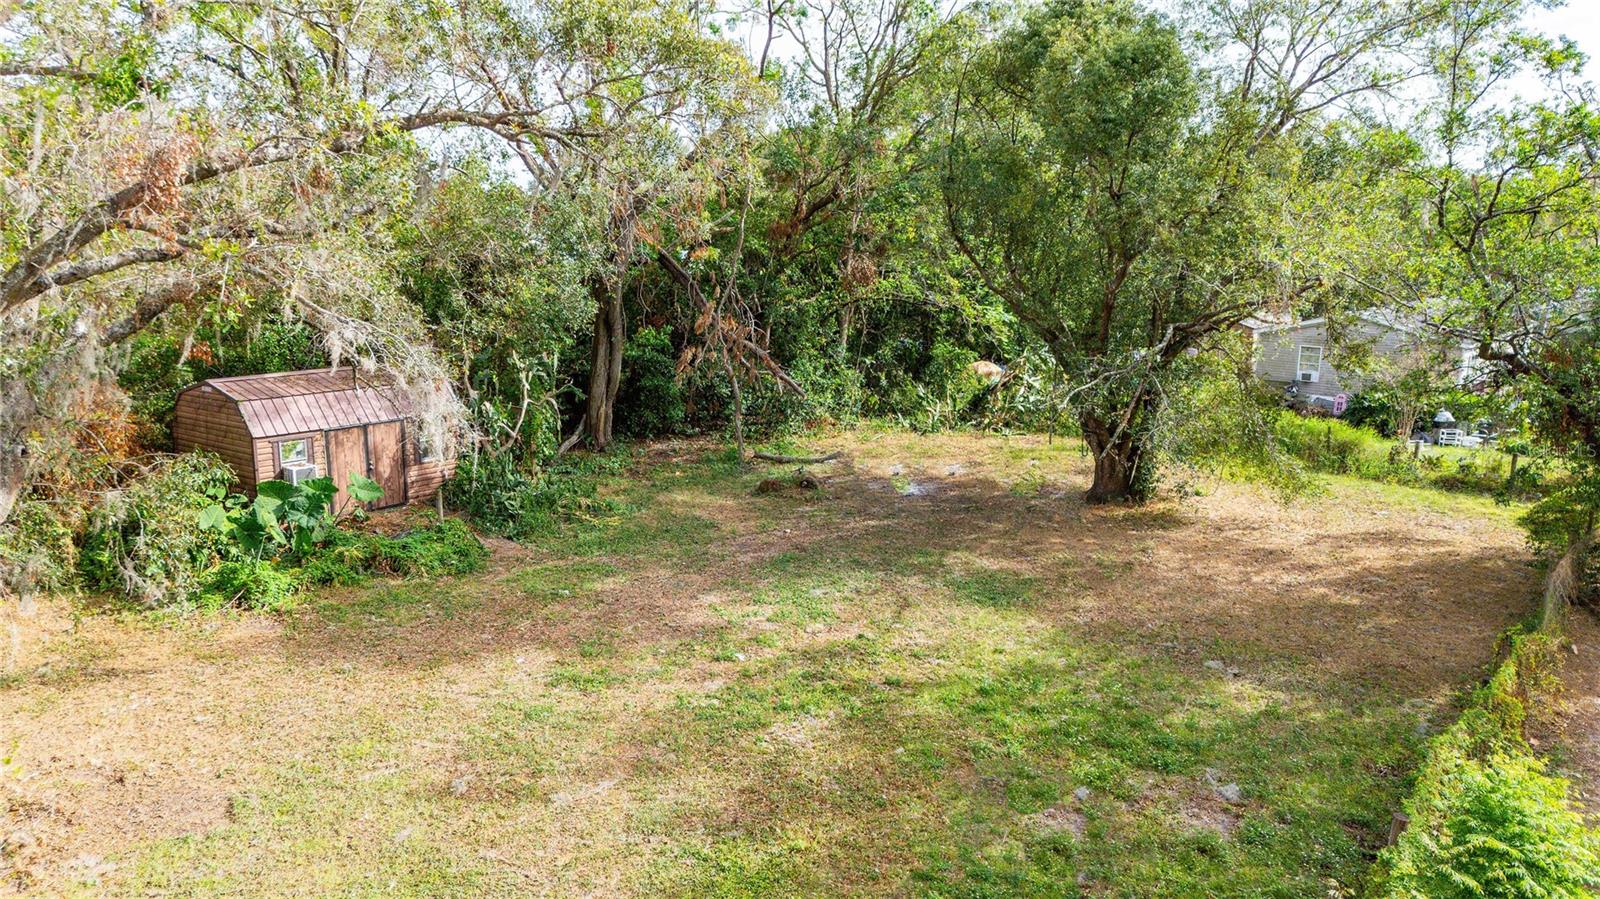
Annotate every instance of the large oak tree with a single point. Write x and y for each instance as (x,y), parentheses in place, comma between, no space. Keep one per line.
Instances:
(1128,203)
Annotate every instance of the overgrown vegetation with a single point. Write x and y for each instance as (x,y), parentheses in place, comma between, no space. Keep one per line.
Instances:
(1337,447)
(557,224)
(1486,819)
(433,550)
(513,499)
(175,537)
(145,541)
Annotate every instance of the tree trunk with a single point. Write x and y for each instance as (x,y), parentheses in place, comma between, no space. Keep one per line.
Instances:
(605,366)
(1116,463)
(738,401)
(12,472)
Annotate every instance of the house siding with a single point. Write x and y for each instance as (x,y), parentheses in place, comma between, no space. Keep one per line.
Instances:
(424,479)
(1278,354)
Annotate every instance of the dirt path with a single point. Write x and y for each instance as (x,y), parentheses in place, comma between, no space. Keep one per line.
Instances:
(1577,730)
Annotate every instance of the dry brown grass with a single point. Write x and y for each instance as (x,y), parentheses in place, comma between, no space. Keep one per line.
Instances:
(498,735)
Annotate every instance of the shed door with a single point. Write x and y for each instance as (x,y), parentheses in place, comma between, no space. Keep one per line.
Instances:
(386,443)
(347,455)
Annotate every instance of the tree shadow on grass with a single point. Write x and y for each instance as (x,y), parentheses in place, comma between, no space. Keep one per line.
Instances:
(1362,601)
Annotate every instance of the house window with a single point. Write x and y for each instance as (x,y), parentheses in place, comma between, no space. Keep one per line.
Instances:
(297,450)
(1310,367)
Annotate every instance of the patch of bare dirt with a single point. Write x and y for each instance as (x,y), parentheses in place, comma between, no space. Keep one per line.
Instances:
(1574,731)
(1058,818)
(1411,603)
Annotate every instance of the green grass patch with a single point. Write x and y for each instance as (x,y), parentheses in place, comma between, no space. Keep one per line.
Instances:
(995,589)
(556,581)
(397,604)
(947,749)
(583,680)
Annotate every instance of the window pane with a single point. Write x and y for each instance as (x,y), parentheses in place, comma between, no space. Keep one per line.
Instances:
(291,451)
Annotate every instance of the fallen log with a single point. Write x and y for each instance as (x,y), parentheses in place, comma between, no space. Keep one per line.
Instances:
(796,460)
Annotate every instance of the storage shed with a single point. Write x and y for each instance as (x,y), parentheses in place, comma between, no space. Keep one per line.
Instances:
(301,424)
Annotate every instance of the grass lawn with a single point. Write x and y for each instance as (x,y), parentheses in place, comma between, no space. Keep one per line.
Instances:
(940,675)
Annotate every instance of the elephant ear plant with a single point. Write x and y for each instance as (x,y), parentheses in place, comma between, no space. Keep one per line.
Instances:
(282,516)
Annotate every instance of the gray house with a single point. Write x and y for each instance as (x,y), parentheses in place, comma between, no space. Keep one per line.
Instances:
(1298,353)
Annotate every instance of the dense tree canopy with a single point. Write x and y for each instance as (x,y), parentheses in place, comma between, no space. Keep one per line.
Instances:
(1128,201)
(808,209)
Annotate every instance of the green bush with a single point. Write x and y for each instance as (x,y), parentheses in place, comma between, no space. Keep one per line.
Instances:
(284,519)
(1337,447)
(650,403)
(500,497)
(1226,423)
(36,549)
(446,548)
(254,584)
(1503,828)
(944,396)
(1567,511)
(145,542)
(1330,445)
(1373,408)
(498,494)
(345,560)
(1486,818)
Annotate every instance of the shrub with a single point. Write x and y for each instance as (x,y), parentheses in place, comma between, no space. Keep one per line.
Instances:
(1334,446)
(1330,445)
(1372,408)
(499,495)
(349,558)
(345,560)
(1554,520)
(502,498)
(448,547)
(145,541)
(36,550)
(295,518)
(1486,818)
(249,584)
(1505,828)
(1226,423)
(945,394)
(650,403)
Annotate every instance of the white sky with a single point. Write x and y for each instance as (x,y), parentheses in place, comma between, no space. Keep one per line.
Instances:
(1579,20)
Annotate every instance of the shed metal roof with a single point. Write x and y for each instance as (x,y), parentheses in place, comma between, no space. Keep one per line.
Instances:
(295,402)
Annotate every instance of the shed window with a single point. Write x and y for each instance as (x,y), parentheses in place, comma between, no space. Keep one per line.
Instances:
(1310,367)
(426,451)
(297,450)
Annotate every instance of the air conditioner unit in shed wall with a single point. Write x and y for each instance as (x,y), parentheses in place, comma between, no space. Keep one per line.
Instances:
(298,472)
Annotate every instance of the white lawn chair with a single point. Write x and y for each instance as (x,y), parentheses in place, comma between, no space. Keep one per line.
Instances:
(1450,437)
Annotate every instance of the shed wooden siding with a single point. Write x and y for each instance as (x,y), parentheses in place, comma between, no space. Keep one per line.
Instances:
(1278,354)
(423,479)
(266,453)
(207,419)
(242,419)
